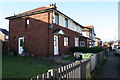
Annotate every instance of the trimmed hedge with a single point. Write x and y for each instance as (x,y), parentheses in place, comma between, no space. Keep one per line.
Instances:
(86,49)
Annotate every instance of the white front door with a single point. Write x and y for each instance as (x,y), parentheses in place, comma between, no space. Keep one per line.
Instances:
(20,45)
(55,45)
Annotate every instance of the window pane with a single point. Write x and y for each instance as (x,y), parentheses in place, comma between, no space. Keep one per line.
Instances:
(66,22)
(65,41)
(27,23)
(76,41)
(82,43)
(56,18)
(21,42)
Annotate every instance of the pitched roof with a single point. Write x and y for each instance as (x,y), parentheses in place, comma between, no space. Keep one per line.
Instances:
(89,26)
(37,9)
(4,31)
(34,11)
(85,29)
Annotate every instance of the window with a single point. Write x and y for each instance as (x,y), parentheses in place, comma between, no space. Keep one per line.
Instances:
(21,42)
(14,40)
(56,18)
(27,23)
(75,28)
(66,23)
(76,41)
(82,43)
(65,41)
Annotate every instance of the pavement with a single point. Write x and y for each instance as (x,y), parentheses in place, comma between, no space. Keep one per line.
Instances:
(110,69)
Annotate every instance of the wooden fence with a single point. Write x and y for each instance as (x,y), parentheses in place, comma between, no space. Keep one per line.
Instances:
(78,69)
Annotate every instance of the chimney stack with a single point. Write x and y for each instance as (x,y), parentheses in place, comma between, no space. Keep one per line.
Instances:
(53,5)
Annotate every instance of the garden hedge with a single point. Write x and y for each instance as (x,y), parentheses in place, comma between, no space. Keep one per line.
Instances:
(86,49)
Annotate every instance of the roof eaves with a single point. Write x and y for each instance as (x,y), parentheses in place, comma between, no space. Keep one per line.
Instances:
(28,14)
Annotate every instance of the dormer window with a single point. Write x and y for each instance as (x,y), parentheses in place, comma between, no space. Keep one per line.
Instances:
(27,23)
(66,22)
(56,18)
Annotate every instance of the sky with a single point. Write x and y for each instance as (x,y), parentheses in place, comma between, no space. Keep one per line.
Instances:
(102,15)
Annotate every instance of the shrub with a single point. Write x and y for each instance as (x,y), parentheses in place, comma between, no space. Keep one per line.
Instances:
(86,49)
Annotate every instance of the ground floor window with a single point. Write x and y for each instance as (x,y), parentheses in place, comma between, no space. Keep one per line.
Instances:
(66,41)
(76,41)
(82,43)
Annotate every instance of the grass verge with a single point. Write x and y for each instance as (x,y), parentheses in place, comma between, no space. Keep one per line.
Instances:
(21,67)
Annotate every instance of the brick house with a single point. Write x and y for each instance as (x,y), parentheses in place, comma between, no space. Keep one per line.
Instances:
(88,31)
(44,31)
(98,41)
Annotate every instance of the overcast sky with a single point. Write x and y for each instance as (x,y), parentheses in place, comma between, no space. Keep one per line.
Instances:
(102,15)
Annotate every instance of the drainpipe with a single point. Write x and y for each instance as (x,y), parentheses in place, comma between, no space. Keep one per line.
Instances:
(48,33)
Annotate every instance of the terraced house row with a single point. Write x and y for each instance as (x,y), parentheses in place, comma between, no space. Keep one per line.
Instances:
(46,31)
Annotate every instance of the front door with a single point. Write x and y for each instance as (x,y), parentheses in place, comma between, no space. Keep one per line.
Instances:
(20,45)
(55,45)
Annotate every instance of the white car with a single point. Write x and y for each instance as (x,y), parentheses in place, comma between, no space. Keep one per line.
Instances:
(117,51)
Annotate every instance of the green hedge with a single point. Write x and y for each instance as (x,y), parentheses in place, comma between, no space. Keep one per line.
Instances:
(86,49)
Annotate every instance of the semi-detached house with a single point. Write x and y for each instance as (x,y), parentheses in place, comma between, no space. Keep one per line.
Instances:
(44,31)
(88,31)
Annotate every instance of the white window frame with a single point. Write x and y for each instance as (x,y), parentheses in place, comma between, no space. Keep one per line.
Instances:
(27,23)
(66,41)
(81,43)
(76,41)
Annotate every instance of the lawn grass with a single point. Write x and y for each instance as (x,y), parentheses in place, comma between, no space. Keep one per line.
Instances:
(22,67)
(72,58)
(69,58)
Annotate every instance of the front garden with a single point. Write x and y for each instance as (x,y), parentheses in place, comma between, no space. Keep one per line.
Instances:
(85,52)
(25,67)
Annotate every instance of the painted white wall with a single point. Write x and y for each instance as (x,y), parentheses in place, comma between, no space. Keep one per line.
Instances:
(79,29)
(61,20)
(86,34)
(71,24)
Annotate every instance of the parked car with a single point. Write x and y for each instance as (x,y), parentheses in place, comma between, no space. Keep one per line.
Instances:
(117,51)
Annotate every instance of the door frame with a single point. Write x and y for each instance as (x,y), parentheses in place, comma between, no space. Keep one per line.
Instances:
(19,44)
(56,53)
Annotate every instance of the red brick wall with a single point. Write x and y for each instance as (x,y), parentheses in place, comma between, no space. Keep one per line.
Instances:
(35,36)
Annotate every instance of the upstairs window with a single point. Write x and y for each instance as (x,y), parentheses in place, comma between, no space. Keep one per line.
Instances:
(66,23)
(82,43)
(76,41)
(56,18)
(66,41)
(75,28)
(27,23)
